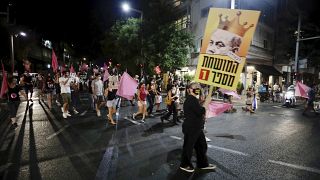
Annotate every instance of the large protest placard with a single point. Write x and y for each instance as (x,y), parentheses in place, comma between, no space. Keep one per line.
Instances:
(226,41)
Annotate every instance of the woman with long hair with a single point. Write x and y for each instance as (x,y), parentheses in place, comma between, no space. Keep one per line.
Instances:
(142,103)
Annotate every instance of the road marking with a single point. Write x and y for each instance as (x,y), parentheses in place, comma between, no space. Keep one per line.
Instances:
(277,107)
(134,122)
(218,148)
(176,137)
(228,150)
(58,132)
(310,169)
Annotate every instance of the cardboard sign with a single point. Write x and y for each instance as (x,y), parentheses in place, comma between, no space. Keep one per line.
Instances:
(225,45)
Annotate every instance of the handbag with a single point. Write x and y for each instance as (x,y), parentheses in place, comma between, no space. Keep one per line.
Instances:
(168,101)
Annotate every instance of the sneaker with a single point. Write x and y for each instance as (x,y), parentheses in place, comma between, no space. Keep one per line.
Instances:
(98,113)
(208,140)
(64,115)
(134,118)
(209,167)
(187,169)
(75,111)
(62,109)
(68,114)
(142,121)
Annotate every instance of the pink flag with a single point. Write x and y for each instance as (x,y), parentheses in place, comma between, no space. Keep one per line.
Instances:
(231,93)
(72,69)
(128,86)
(106,75)
(4,86)
(301,90)
(216,108)
(54,61)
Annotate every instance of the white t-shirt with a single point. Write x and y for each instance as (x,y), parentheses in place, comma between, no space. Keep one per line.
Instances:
(65,88)
(97,87)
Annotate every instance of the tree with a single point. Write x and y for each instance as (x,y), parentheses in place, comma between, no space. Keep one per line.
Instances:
(123,45)
(158,37)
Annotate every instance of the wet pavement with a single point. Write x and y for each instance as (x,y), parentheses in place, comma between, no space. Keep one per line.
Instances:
(273,143)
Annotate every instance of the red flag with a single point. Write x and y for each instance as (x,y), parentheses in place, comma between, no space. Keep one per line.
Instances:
(4,86)
(157,70)
(72,69)
(54,61)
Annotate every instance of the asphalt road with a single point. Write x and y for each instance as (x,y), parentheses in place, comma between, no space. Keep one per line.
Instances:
(273,143)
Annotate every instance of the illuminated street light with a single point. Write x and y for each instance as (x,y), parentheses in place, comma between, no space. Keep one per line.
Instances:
(23,34)
(125,7)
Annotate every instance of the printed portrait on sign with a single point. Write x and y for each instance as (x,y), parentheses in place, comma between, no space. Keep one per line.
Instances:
(221,42)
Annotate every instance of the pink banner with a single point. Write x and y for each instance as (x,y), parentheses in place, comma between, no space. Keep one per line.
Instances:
(301,90)
(231,93)
(216,108)
(128,86)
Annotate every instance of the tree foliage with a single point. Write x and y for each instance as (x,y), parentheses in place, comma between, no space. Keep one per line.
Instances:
(157,37)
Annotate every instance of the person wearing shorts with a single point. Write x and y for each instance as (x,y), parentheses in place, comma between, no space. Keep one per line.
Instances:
(65,81)
(49,90)
(142,102)
(28,86)
(97,90)
(112,102)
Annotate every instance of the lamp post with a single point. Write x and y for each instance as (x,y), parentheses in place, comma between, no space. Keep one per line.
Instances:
(12,46)
(126,8)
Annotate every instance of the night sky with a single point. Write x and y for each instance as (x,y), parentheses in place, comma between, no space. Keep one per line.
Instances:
(79,22)
(82,22)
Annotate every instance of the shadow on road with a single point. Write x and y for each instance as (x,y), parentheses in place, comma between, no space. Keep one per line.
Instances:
(157,128)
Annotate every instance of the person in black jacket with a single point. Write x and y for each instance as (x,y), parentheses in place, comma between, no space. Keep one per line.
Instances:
(192,129)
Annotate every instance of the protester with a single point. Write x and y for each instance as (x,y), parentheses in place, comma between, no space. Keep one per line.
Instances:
(192,129)
(112,102)
(142,103)
(49,89)
(151,97)
(91,98)
(97,90)
(310,100)
(173,95)
(13,95)
(65,82)
(57,88)
(28,85)
(249,100)
(75,96)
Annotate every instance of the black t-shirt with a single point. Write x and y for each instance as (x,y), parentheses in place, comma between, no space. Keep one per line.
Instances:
(50,85)
(194,114)
(112,94)
(27,79)
(13,93)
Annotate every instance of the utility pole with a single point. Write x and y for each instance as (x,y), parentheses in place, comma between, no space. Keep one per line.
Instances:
(296,64)
(296,58)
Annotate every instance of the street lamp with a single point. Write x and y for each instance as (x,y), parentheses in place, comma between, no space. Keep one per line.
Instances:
(126,8)
(12,46)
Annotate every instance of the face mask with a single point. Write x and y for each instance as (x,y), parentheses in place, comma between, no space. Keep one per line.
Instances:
(196,91)
(198,96)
